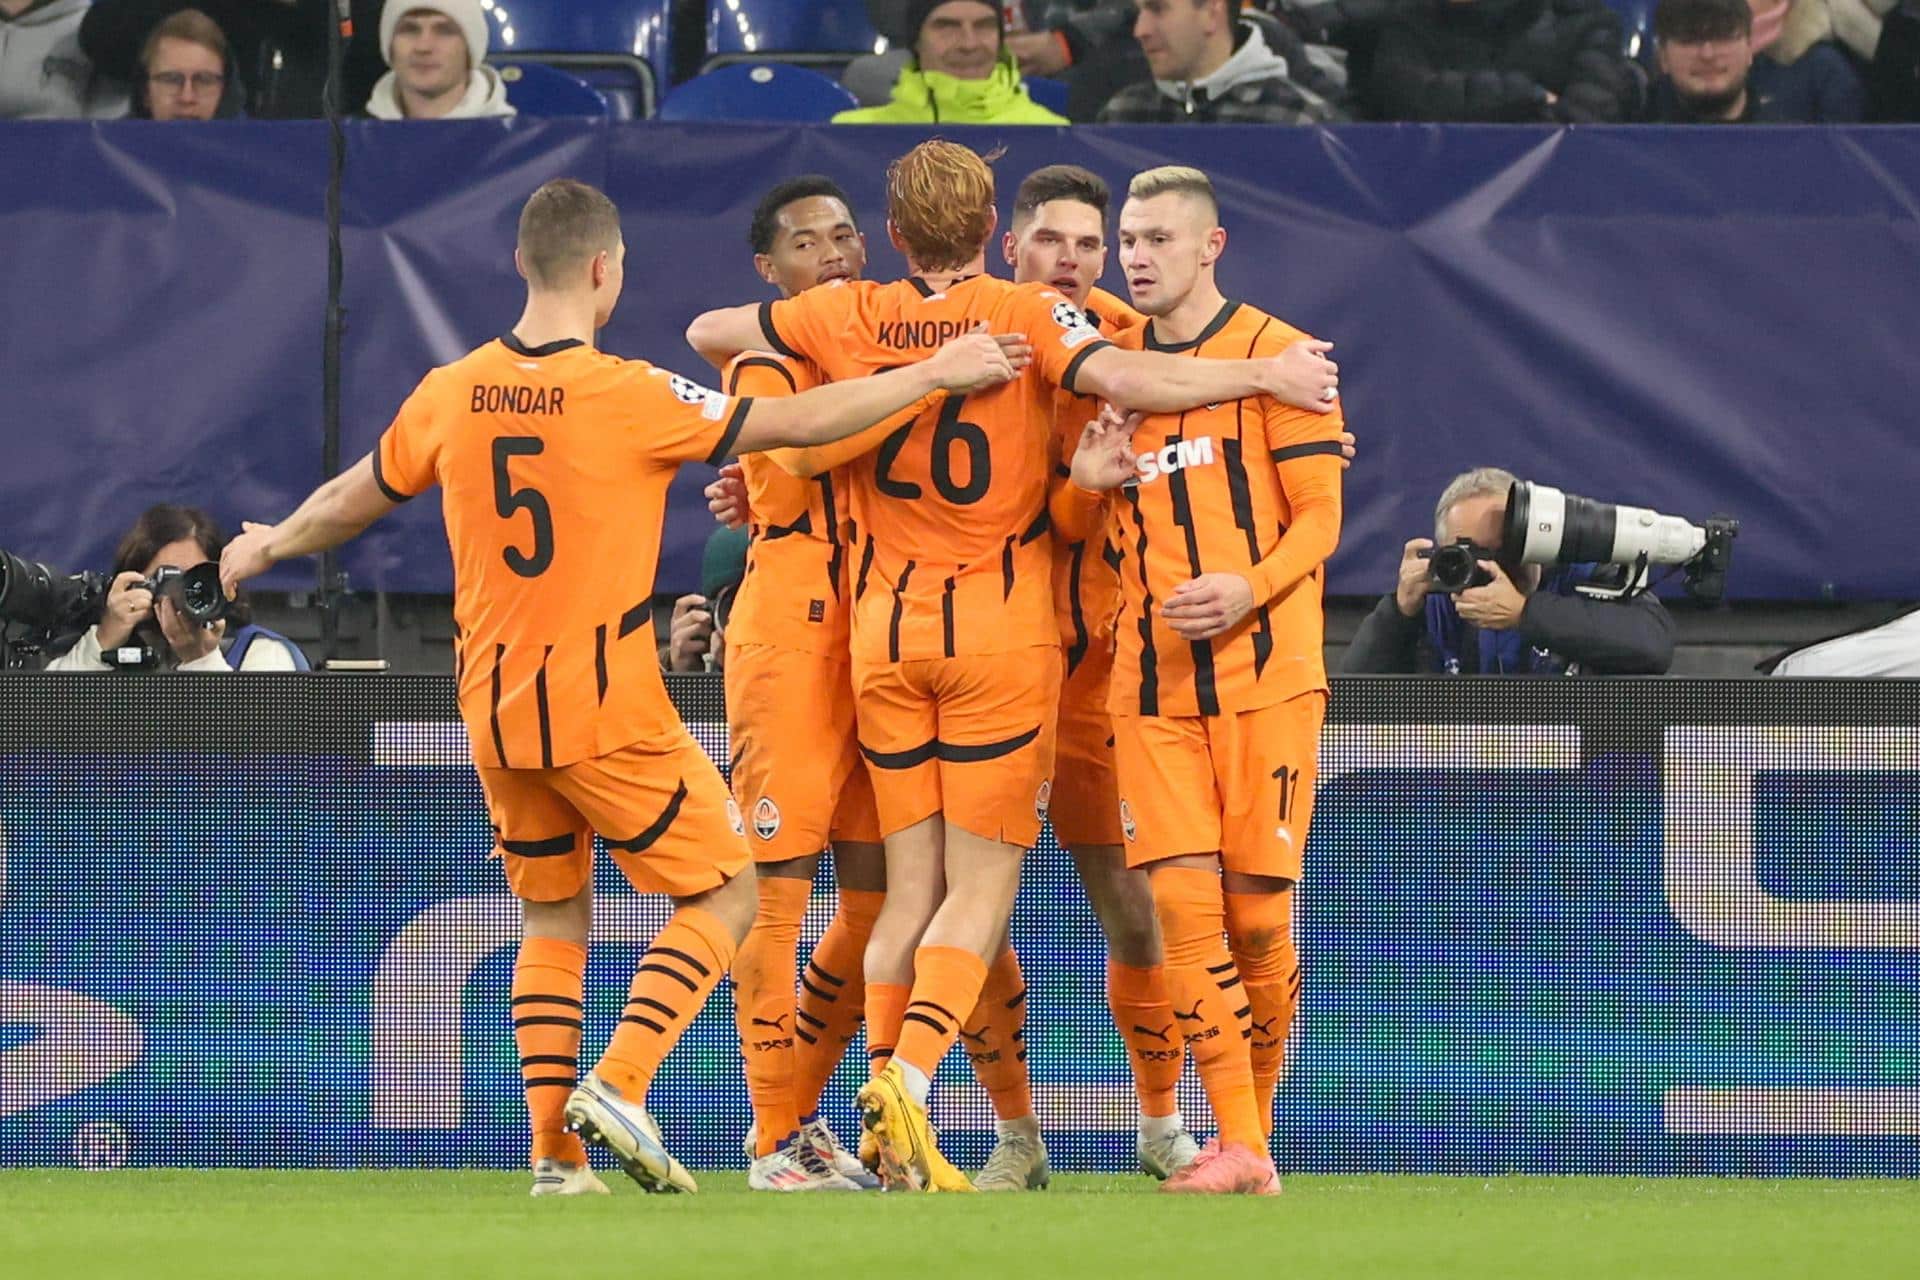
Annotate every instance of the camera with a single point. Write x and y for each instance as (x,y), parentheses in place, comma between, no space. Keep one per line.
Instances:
(194,592)
(1549,526)
(1456,567)
(46,605)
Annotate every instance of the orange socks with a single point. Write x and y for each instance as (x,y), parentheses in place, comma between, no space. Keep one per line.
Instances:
(1144,1015)
(995,1043)
(764,1006)
(832,997)
(547,979)
(673,981)
(886,1008)
(1260,932)
(1209,1004)
(946,983)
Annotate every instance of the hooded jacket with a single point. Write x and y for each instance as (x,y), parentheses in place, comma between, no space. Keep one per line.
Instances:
(932,97)
(1255,86)
(43,73)
(486,95)
(1502,61)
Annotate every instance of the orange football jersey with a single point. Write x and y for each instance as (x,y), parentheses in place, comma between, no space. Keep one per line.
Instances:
(554,463)
(1218,489)
(951,509)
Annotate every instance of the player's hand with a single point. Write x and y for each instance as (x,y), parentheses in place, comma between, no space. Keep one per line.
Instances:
(979,359)
(1209,605)
(1041,53)
(246,556)
(128,605)
(1347,443)
(188,639)
(689,634)
(1410,592)
(1304,377)
(1496,606)
(727,496)
(1104,457)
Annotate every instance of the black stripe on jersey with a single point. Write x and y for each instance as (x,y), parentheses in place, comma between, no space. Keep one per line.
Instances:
(835,563)
(600,662)
(511,341)
(380,478)
(946,618)
(1312,448)
(1205,692)
(1077,651)
(771,334)
(1214,326)
(866,563)
(775,532)
(635,618)
(1072,372)
(1006,570)
(899,607)
(1041,526)
(762,362)
(493,705)
(551,847)
(459,656)
(924,289)
(724,449)
(949,752)
(546,711)
(645,840)
(1113,555)
(1240,497)
(829,508)
(1149,659)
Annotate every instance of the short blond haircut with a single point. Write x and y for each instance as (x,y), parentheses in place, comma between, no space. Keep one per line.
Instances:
(940,200)
(562,226)
(1175,179)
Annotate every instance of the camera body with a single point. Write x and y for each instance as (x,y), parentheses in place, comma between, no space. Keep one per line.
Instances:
(194,592)
(1456,567)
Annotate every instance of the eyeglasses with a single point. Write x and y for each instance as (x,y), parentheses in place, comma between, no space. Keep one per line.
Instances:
(177,81)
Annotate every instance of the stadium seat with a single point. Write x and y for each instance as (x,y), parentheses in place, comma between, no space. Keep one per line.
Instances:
(1636,29)
(619,47)
(823,33)
(536,89)
(1051,94)
(757,91)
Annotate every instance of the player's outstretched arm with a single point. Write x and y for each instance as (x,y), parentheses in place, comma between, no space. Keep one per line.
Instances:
(723,333)
(338,511)
(1156,382)
(825,414)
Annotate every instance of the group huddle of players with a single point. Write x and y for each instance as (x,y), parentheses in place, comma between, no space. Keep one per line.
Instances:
(978,597)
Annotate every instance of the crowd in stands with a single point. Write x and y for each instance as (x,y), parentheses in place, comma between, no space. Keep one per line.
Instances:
(1036,61)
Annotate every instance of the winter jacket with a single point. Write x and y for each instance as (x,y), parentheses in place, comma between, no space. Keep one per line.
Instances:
(1513,61)
(929,97)
(1257,85)
(44,75)
(486,96)
(1820,87)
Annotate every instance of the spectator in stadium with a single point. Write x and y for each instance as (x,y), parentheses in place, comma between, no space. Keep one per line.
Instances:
(1524,622)
(437,49)
(1209,64)
(696,631)
(181,538)
(1088,44)
(1512,61)
(186,71)
(44,73)
(1713,70)
(961,71)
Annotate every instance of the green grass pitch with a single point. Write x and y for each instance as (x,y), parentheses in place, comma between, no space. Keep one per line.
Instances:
(155,1224)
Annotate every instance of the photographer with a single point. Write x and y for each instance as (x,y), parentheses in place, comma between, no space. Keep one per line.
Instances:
(696,631)
(132,617)
(1522,622)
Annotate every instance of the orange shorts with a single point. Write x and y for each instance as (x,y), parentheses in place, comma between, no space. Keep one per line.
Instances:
(797,772)
(665,815)
(1241,784)
(970,738)
(1085,807)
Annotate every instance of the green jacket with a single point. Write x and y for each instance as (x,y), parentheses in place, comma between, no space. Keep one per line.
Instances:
(929,97)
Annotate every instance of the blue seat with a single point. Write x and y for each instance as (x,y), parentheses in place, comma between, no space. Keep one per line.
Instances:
(1051,94)
(536,89)
(822,33)
(757,91)
(620,47)
(1636,29)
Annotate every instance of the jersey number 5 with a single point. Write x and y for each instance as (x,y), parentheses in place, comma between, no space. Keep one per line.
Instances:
(947,432)
(507,500)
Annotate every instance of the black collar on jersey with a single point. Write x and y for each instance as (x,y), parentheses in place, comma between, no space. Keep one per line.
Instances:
(928,291)
(520,348)
(1214,326)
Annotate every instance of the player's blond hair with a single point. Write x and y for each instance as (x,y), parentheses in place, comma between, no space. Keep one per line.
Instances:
(1175,179)
(562,226)
(940,200)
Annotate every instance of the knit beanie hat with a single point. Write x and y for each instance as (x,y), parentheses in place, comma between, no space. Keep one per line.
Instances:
(918,11)
(473,24)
